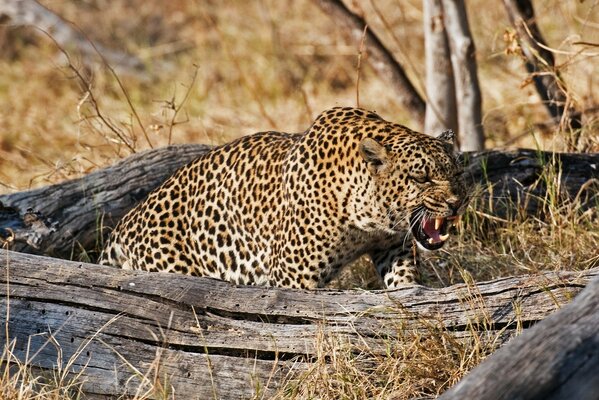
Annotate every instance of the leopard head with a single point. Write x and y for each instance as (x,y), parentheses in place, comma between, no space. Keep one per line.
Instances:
(419,184)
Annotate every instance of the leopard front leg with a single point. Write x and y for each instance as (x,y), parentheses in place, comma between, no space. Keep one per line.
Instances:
(397,266)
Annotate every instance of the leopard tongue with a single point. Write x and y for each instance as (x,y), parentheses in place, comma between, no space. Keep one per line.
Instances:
(432,228)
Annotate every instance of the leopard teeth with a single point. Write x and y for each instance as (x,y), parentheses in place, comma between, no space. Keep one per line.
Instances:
(444,237)
(438,223)
(430,241)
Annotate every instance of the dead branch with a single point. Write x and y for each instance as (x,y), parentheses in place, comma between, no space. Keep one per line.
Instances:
(540,63)
(379,57)
(32,13)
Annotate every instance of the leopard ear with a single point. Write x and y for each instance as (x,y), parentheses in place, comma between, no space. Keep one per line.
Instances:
(373,152)
(447,136)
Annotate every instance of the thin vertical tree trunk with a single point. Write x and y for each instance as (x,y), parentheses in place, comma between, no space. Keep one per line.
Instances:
(540,62)
(463,61)
(441,111)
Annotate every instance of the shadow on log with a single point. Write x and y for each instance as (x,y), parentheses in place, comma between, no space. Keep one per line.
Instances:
(204,338)
(82,211)
(556,359)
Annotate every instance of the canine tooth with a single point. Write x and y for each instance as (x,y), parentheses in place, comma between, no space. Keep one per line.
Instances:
(457,220)
(444,237)
(438,222)
(430,240)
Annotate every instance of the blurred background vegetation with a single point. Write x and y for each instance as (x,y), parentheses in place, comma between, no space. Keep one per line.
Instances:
(231,68)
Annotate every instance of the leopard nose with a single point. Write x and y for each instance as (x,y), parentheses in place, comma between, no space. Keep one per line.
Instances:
(454,204)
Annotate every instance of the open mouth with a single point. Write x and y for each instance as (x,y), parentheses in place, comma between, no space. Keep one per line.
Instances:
(432,232)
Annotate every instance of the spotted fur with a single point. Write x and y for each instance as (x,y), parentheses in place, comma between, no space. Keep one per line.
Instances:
(290,209)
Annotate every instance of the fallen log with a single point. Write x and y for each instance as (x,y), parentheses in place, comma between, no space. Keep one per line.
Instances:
(79,210)
(124,331)
(75,216)
(556,359)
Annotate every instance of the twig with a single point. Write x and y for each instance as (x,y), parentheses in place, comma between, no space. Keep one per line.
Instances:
(88,89)
(178,108)
(123,90)
(360,50)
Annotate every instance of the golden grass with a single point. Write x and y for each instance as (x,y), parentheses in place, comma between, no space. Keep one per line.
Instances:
(422,360)
(275,65)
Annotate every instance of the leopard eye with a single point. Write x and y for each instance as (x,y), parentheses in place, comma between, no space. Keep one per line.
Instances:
(421,178)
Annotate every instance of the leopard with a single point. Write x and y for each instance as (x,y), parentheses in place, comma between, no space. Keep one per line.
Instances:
(291,209)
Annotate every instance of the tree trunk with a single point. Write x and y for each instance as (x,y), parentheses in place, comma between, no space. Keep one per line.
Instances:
(441,111)
(71,218)
(204,338)
(556,359)
(379,57)
(540,63)
(463,60)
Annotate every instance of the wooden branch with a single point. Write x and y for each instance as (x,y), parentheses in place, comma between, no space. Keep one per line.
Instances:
(208,338)
(32,13)
(463,60)
(72,217)
(540,62)
(379,57)
(556,359)
(441,111)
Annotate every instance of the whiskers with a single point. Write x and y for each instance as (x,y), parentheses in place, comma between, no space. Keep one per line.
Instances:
(418,213)
(397,224)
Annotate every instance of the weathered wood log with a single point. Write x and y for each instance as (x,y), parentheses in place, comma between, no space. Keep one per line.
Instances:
(205,338)
(556,359)
(524,181)
(64,33)
(80,212)
(79,209)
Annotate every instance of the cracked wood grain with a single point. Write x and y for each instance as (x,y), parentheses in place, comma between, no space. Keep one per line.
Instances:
(205,336)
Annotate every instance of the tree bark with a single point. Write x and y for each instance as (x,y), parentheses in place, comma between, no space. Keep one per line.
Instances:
(540,63)
(463,60)
(379,57)
(556,359)
(72,218)
(204,338)
(441,111)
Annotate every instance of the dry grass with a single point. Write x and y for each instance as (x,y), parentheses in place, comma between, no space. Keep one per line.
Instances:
(216,71)
(260,67)
(420,361)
